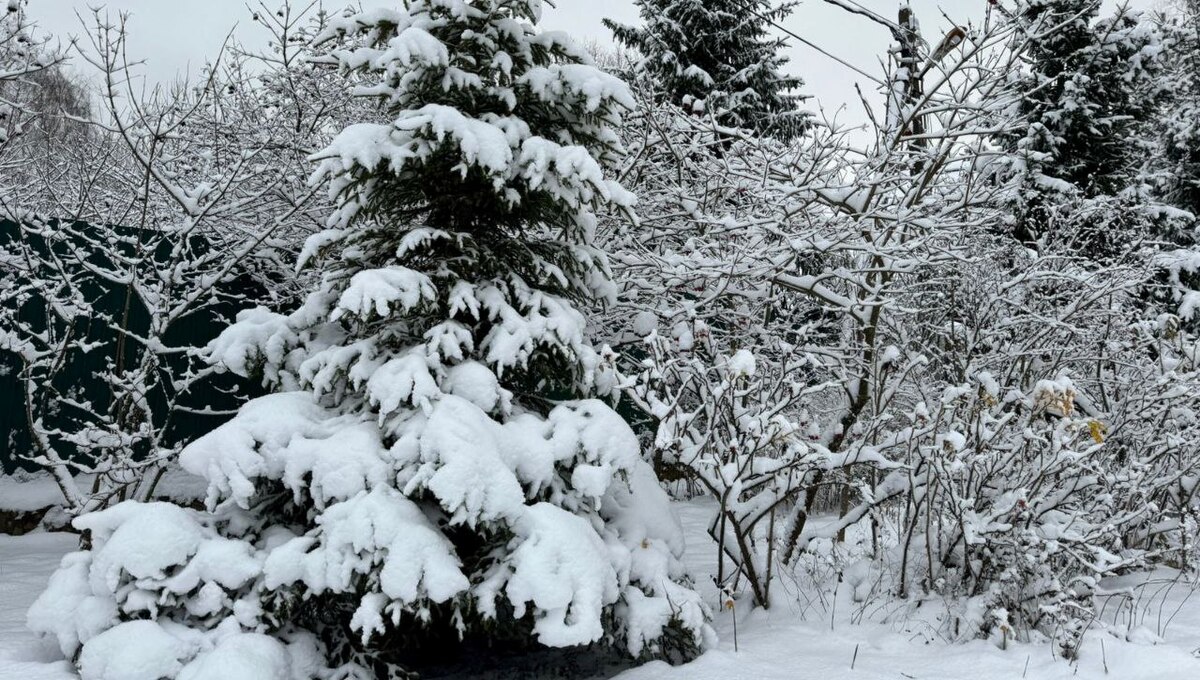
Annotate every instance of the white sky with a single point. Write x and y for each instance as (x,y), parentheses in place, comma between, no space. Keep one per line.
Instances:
(176,36)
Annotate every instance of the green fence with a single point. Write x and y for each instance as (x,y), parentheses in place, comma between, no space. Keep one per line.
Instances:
(112,307)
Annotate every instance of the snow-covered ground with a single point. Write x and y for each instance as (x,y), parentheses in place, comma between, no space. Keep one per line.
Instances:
(802,642)
(25,565)
(784,643)
(26,492)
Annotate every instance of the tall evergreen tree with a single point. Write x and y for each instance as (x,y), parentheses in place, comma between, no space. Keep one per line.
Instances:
(719,55)
(1179,121)
(1089,94)
(1176,164)
(430,469)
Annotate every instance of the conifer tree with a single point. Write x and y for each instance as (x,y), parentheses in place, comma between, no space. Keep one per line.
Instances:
(1176,164)
(430,468)
(1088,96)
(719,56)
(1179,122)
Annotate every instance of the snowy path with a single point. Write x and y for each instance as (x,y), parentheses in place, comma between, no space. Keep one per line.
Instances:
(779,645)
(25,565)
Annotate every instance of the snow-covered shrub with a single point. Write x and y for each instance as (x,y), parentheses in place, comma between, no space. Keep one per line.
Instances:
(431,468)
(1019,502)
(144,226)
(708,342)
(1021,495)
(1063,457)
(731,432)
(1014,486)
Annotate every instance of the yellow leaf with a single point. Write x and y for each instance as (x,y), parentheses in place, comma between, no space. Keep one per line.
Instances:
(1097,430)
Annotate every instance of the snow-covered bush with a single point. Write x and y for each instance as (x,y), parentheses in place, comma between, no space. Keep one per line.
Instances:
(1013,507)
(430,468)
(1023,492)
(1011,425)
(738,436)
(143,226)
(897,247)
(696,291)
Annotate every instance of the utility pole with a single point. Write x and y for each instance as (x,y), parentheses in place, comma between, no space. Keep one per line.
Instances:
(909,85)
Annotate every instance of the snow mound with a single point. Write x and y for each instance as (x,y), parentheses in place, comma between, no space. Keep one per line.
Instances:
(134,650)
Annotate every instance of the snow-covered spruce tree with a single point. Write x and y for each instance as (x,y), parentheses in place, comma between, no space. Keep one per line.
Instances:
(1176,164)
(1088,95)
(420,477)
(718,55)
(1179,116)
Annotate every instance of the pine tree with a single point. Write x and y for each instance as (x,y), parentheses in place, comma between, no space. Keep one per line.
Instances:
(421,476)
(1089,95)
(718,55)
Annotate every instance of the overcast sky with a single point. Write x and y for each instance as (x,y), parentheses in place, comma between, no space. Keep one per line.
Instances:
(176,36)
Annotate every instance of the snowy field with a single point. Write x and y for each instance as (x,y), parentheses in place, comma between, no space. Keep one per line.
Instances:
(786,643)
